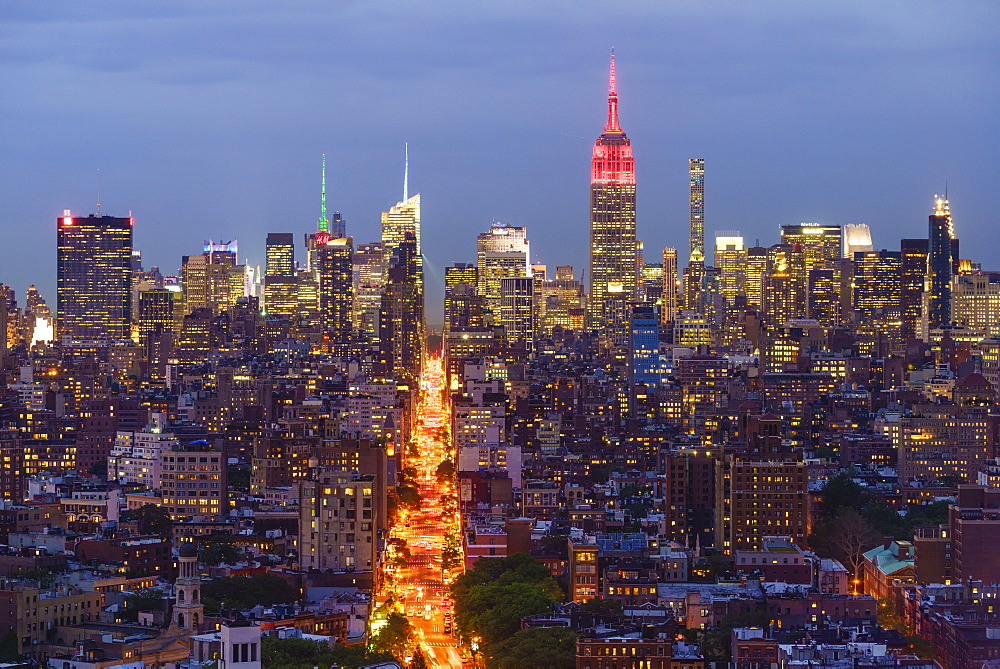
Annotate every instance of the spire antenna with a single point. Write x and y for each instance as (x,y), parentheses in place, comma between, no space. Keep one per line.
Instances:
(98,191)
(612,78)
(612,125)
(406,171)
(324,221)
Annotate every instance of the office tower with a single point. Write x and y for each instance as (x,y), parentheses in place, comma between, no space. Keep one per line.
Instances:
(612,219)
(668,307)
(857,239)
(652,282)
(38,322)
(693,283)
(368,280)
(400,224)
(94,280)
(819,242)
(517,311)
(156,312)
(307,294)
(462,305)
(975,302)
(212,280)
(877,286)
(824,295)
(559,302)
(401,330)
(783,289)
(756,270)
(646,367)
(280,284)
(696,205)
(940,263)
(731,261)
(336,291)
(502,251)
(912,277)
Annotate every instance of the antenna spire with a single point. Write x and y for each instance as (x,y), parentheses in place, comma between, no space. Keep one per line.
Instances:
(324,222)
(612,125)
(406,171)
(98,191)
(611,88)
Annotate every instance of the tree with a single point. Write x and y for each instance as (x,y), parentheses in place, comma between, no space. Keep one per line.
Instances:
(152,519)
(8,647)
(494,611)
(304,654)
(445,471)
(408,497)
(551,647)
(841,492)
(849,536)
(395,637)
(99,469)
(147,599)
(218,552)
(238,477)
(244,592)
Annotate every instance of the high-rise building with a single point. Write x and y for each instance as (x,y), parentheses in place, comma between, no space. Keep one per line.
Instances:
(462,305)
(212,280)
(517,311)
(940,263)
(731,261)
(280,283)
(559,302)
(401,330)
(877,286)
(756,270)
(820,243)
(696,205)
(784,287)
(975,302)
(368,279)
(400,224)
(668,306)
(336,290)
(857,239)
(502,251)
(94,276)
(612,218)
(338,521)
(646,366)
(912,276)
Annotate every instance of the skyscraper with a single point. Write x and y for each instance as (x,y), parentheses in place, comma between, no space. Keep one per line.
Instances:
(517,311)
(336,290)
(212,280)
(94,280)
(668,308)
(857,239)
(877,286)
(731,261)
(820,243)
(612,217)
(940,263)
(501,251)
(696,205)
(462,306)
(912,276)
(280,284)
(401,330)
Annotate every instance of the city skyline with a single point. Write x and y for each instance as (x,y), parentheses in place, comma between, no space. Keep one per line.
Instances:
(824,130)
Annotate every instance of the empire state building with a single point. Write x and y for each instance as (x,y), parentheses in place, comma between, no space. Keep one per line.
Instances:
(613,254)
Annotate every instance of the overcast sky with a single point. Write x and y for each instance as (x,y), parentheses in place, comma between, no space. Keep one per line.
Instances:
(208,119)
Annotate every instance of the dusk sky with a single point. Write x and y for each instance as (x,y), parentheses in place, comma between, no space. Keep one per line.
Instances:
(208,120)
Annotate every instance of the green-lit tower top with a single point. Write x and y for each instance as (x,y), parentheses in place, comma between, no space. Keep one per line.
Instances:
(323,225)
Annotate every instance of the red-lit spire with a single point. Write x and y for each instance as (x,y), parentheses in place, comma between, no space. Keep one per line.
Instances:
(612,125)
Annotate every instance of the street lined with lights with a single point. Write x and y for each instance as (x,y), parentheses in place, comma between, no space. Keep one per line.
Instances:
(416,584)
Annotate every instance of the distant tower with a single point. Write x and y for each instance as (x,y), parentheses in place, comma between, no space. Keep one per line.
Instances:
(941,263)
(696,205)
(857,239)
(94,276)
(188,610)
(612,221)
(502,251)
(668,310)
(334,261)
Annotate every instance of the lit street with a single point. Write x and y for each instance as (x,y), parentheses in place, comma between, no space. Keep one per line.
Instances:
(419,588)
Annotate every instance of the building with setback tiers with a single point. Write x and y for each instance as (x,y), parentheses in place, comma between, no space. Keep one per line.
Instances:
(612,219)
